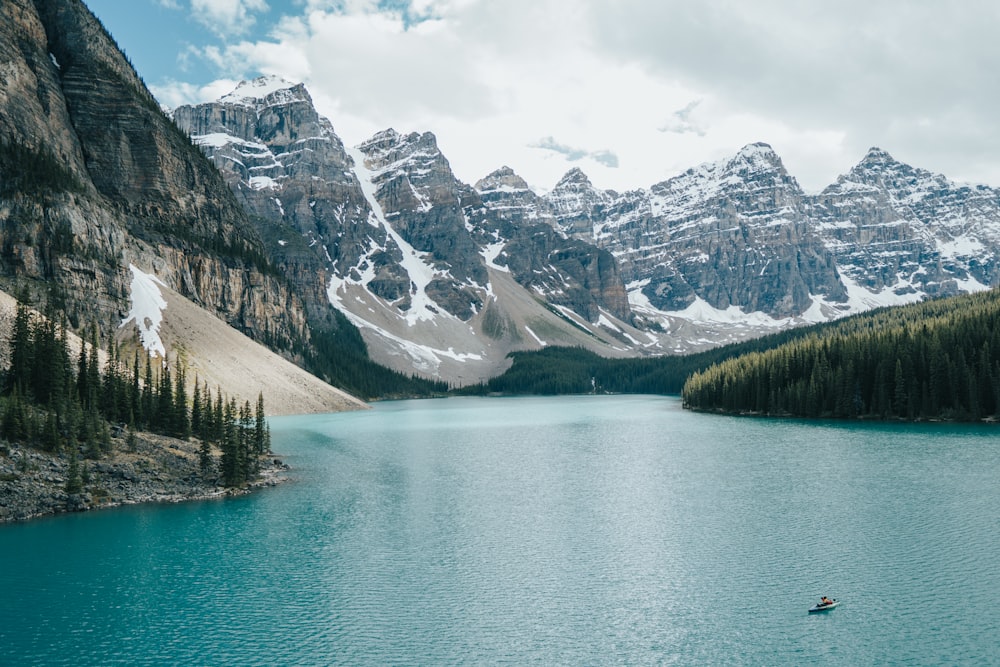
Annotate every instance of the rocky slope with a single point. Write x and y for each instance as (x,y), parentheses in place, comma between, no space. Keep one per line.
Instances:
(721,252)
(902,229)
(411,253)
(158,469)
(739,239)
(96,178)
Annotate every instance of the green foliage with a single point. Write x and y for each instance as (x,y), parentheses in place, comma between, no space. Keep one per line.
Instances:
(33,171)
(934,360)
(74,478)
(48,401)
(563,370)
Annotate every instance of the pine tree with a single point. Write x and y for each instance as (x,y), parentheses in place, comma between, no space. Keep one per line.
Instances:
(148,398)
(205,460)
(74,480)
(181,420)
(18,377)
(131,441)
(196,408)
(235,444)
(262,435)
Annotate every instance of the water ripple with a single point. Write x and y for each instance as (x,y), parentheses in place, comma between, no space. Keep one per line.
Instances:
(582,531)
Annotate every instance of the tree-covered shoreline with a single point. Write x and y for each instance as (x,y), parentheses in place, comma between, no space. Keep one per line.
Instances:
(936,360)
(72,407)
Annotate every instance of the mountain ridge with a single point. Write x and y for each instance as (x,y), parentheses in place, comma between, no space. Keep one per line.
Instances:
(721,252)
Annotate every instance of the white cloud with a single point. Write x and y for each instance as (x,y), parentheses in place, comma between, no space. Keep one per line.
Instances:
(227,17)
(681,121)
(173,94)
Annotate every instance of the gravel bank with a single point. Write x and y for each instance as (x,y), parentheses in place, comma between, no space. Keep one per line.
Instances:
(161,469)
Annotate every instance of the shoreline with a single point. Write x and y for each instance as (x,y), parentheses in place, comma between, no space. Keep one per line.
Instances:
(159,470)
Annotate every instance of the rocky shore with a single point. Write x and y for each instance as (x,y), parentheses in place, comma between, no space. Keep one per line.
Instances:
(154,469)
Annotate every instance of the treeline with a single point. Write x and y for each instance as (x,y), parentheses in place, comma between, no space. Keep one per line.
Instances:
(566,370)
(60,404)
(339,356)
(934,360)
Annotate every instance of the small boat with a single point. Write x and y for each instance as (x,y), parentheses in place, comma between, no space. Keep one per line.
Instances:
(823,607)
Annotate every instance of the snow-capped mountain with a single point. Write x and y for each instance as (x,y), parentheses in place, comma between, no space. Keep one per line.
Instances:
(738,239)
(907,232)
(733,234)
(444,278)
(437,281)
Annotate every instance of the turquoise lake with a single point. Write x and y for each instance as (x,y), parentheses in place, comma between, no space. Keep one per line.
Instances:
(588,530)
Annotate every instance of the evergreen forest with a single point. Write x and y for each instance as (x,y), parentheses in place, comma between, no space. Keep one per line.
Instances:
(572,370)
(939,359)
(59,404)
(933,360)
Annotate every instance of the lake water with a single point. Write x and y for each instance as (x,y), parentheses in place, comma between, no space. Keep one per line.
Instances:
(550,531)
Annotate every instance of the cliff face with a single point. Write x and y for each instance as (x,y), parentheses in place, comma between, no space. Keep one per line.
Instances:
(124,185)
(741,234)
(410,252)
(899,228)
(734,233)
(568,271)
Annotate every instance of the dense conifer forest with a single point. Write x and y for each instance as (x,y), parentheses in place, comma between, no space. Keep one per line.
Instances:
(565,370)
(64,405)
(933,360)
(938,359)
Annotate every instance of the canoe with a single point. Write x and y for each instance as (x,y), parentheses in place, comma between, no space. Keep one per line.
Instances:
(823,607)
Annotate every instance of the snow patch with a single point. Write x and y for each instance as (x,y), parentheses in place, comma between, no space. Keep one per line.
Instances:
(490,254)
(263,183)
(421,273)
(962,246)
(249,92)
(535,336)
(146,310)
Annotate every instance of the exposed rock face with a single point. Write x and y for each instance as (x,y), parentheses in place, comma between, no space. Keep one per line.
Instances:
(424,203)
(389,218)
(136,190)
(287,166)
(577,205)
(733,233)
(738,237)
(742,233)
(892,226)
(567,271)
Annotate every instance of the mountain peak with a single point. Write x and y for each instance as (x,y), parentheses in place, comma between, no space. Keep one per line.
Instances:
(574,176)
(391,140)
(252,92)
(877,156)
(386,136)
(758,156)
(503,178)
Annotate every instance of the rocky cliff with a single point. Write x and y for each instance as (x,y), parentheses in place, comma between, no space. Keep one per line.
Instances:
(738,239)
(721,252)
(411,253)
(893,227)
(116,183)
(733,233)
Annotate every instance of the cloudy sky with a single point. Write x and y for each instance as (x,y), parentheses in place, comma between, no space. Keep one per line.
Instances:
(631,91)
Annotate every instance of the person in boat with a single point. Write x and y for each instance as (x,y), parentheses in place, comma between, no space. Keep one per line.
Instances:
(823,601)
